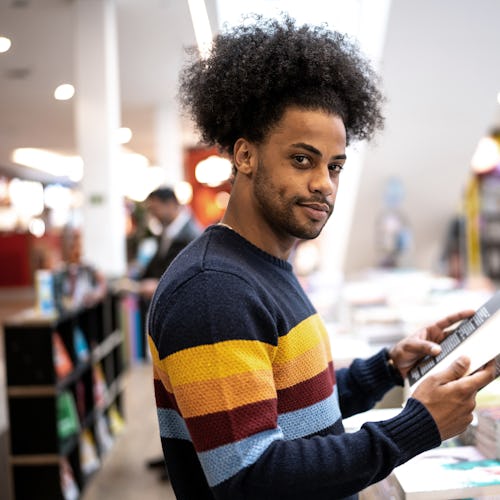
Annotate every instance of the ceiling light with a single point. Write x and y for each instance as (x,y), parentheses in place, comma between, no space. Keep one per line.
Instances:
(5,44)
(36,227)
(138,180)
(52,163)
(486,156)
(64,92)
(124,135)
(26,197)
(213,171)
(183,192)
(201,26)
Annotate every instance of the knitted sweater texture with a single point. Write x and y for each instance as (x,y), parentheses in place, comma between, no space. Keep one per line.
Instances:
(249,403)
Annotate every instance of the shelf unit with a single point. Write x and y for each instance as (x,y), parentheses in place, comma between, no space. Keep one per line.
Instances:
(489,224)
(36,450)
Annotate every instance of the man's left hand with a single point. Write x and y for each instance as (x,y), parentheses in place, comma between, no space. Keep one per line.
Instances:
(406,353)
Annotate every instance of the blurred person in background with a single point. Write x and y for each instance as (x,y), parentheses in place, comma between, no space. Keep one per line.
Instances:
(178,229)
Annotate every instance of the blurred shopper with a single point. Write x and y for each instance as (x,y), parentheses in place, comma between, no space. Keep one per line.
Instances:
(250,405)
(179,228)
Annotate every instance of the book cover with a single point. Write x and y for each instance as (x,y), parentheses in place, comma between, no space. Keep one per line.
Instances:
(89,458)
(445,473)
(62,360)
(477,337)
(69,486)
(68,423)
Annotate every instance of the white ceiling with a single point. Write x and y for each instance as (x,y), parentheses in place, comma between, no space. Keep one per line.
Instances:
(152,35)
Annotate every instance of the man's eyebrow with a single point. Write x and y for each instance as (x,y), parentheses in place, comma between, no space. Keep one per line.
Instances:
(316,151)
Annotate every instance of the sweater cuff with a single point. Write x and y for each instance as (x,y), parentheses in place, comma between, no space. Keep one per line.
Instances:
(413,430)
(377,372)
(393,371)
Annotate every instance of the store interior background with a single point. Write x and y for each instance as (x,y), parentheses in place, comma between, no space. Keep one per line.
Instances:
(440,70)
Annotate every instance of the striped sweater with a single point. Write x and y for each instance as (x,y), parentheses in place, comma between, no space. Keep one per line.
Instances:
(249,404)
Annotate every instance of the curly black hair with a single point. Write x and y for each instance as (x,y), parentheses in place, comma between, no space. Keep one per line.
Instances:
(256,70)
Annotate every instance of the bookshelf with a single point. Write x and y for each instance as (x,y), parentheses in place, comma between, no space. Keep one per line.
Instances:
(64,377)
(489,194)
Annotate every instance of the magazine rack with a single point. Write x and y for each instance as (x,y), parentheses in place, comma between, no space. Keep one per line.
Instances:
(37,452)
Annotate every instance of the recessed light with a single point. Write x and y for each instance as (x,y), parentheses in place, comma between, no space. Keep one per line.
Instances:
(5,44)
(64,92)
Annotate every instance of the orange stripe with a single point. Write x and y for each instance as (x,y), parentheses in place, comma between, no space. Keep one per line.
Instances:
(212,396)
(304,367)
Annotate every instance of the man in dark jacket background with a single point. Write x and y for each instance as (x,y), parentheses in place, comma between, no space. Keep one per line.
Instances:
(179,228)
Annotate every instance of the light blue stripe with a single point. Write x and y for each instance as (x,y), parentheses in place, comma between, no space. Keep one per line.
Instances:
(315,418)
(225,461)
(172,425)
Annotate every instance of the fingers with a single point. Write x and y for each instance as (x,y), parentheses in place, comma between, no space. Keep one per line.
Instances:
(454,318)
(455,371)
(441,329)
(484,376)
(415,348)
(424,347)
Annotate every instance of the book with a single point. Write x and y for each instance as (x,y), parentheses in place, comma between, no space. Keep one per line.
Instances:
(447,472)
(488,432)
(68,423)
(100,388)
(62,360)
(477,337)
(69,487)
(103,435)
(80,345)
(89,459)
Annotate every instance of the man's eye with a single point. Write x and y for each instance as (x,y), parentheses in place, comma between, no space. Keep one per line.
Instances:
(302,160)
(337,168)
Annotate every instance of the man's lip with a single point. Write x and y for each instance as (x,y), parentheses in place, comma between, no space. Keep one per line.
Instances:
(320,207)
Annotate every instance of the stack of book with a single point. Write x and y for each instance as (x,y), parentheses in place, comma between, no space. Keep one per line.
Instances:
(487,433)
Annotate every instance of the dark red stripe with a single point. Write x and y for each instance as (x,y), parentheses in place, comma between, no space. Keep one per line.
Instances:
(306,393)
(164,399)
(217,429)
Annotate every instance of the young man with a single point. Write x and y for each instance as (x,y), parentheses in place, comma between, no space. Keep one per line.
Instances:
(249,403)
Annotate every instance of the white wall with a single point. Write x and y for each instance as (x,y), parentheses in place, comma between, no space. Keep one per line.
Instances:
(441,74)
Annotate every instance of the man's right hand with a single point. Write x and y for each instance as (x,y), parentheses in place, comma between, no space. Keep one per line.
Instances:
(450,396)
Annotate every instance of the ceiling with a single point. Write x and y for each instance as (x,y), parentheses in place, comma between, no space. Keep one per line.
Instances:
(152,36)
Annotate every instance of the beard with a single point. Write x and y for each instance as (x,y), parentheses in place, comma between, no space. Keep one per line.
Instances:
(280,210)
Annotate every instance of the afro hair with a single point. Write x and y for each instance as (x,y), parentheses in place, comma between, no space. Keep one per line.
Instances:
(256,70)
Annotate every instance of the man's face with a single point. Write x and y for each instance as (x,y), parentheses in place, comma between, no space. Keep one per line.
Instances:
(164,211)
(297,175)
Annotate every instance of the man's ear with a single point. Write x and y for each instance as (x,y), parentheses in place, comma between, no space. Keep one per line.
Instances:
(244,156)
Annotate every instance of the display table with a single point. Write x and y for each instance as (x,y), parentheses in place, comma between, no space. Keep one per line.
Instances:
(441,474)
(451,471)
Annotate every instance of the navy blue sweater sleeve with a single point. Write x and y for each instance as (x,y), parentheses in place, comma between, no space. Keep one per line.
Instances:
(335,466)
(364,383)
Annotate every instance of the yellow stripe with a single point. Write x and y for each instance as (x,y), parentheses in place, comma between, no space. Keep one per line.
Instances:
(305,336)
(215,361)
(303,367)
